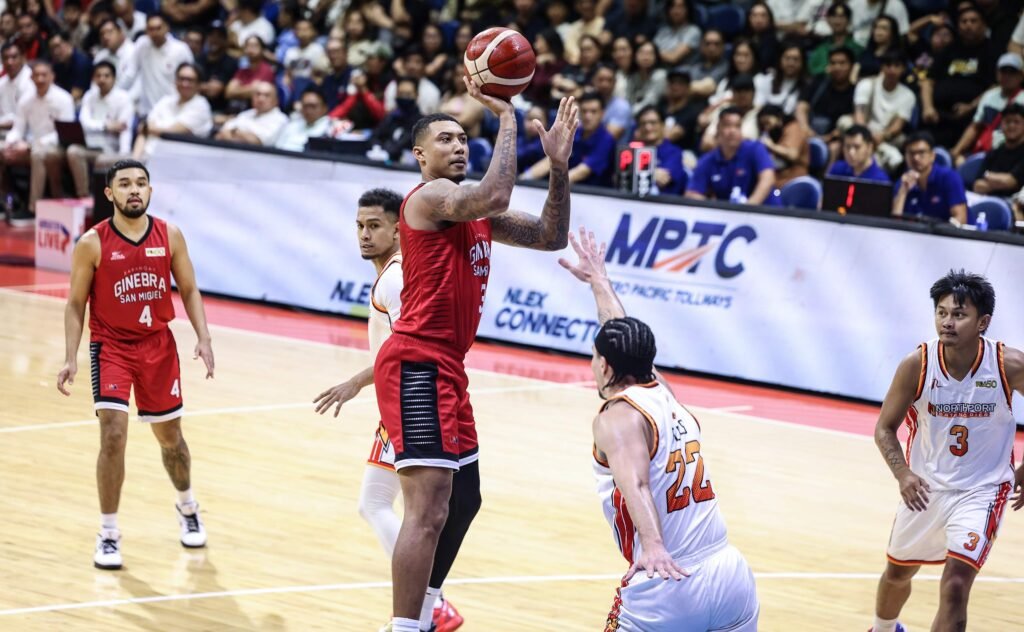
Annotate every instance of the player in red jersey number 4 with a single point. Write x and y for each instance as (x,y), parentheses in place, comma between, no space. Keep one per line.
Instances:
(122,267)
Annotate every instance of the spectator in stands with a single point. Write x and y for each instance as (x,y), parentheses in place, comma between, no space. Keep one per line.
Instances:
(71,22)
(573,78)
(434,54)
(33,137)
(984,132)
(736,170)
(240,87)
(618,115)
(838,16)
(633,21)
(107,116)
(132,22)
(791,17)
(184,112)
(742,101)
(260,124)
(681,111)
(361,107)
(548,47)
(286,39)
(760,31)
(310,122)
(8,25)
(467,111)
(429,96)
(924,51)
(669,174)
(557,14)
(678,38)
(864,14)
(72,68)
(529,148)
(1003,169)
(118,50)
(592,158)
(31,40)
(15,84)
(859,157)
(885,37)
(829,97)
(590,23)
(394,134)
(957,79)
(783,84)
(645,86)
(157,57)
(359,37)
(885,106)
(250,22)
(744,60)
(927,189)
(195,39)
(218,67)
(335,85)
(786,140)
(622,57)
(182,14)
(710,66)
(527,17)
(300,60)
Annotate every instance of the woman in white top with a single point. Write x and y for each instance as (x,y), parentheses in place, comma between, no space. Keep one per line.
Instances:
(782,84)
(622,57)
(743,61)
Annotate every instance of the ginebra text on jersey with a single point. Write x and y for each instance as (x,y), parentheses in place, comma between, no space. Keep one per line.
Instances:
(138,281)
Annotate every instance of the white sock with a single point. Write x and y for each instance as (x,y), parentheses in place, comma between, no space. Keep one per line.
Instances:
(884,625)
(108,522)
(427,611)
(439,600)
(186,502)
(404,625)
(377,496)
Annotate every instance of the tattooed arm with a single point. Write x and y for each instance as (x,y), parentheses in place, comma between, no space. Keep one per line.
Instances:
(902,393)
(550,231)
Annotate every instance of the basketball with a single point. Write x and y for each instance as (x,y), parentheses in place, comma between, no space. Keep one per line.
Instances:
(501,62)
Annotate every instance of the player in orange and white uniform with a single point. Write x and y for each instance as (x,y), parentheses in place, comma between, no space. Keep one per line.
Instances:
(122,268)
(655,486)
(377,226)
(955,476)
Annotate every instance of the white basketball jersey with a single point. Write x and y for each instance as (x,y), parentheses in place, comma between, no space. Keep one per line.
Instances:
(679,480)
(961,432)
(385,302)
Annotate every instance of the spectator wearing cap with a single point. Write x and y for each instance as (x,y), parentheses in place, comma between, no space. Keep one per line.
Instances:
(618,114)
(218,67)
(250,22)
(257,69)
(735,169)
(742,101)
(681,111)
(984,133)
(310,122)
(828,97)
(957,79)
(1003,168)
(300,60)
(15,83)
(885,106)
(158,55)
(710,66)
(258,125)
(838,16)
(668,174)
(334,87)
(72,68)
(927,189)
(786,140)
(591,161)
(107,116)
(858,159)
(184,112)
(119,50)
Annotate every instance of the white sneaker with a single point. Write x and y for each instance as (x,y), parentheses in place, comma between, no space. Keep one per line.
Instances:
(193,533)
(108,550)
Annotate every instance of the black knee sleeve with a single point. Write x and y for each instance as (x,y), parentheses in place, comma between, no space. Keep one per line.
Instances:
(463,506)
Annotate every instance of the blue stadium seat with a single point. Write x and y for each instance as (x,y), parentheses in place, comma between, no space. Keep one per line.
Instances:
(970,170)
(700,17)
(448,31)
(942,157)
(149,7)
(802,192)
(727,18)
(997,213)
(480,151)
(819,155)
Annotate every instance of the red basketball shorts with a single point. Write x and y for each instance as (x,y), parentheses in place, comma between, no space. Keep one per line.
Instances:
(424,405)
(150,365)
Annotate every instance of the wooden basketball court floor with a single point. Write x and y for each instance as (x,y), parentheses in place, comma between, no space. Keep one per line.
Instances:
(805,494)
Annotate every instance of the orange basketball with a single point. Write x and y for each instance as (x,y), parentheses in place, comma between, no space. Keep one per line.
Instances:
(501,62)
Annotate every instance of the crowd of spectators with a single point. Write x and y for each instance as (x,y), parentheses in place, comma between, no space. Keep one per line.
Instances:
(729,108)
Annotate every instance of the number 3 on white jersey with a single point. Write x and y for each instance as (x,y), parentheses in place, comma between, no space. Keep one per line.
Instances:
(146,318)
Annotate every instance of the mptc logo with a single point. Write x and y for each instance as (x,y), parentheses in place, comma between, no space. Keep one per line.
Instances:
(661,235)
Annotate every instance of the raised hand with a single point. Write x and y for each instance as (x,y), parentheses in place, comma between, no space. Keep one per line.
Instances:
(557,141)
(591,257)
(494,104)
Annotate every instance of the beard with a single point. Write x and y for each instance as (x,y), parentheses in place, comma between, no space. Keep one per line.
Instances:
(131,213)
(458,178)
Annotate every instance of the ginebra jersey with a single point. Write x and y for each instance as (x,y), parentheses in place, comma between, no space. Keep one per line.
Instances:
(385,302)
(679,480)
(445,275)
(130,296)
(961,431)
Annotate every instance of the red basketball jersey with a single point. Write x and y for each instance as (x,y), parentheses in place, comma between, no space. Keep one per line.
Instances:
(131,289)
(445,275)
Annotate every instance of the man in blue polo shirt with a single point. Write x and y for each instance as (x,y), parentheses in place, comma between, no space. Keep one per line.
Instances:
(858,154)
(928,189)
(592,151)
(669,174)
(736,170)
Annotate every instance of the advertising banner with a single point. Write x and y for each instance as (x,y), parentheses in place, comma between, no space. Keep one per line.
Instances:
(59,224)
